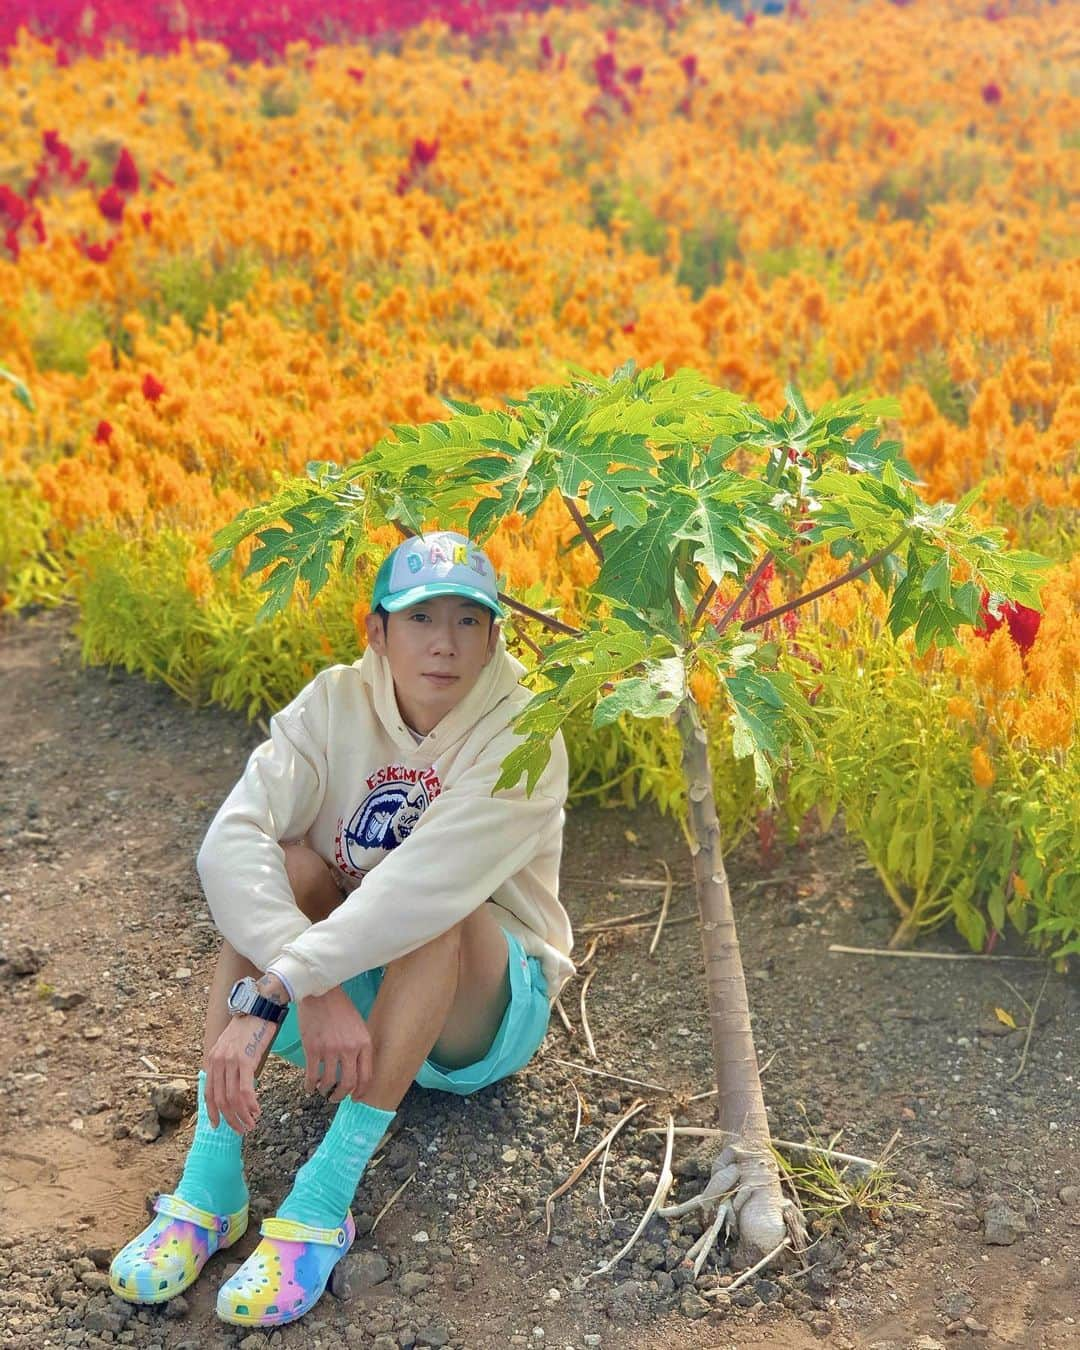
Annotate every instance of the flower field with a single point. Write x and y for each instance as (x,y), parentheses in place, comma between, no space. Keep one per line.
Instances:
(230,246)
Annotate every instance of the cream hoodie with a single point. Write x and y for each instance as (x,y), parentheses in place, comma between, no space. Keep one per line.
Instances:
(412,827)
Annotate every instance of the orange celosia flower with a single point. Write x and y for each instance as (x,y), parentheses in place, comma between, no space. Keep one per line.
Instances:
(982,771)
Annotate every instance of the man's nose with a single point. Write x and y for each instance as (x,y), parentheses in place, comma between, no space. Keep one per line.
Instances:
(443,638)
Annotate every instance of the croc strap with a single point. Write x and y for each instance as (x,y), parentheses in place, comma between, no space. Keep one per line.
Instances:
(175,1208)
(289,1230)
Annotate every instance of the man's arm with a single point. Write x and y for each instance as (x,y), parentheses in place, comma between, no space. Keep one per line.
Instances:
(241,863)
(463,848)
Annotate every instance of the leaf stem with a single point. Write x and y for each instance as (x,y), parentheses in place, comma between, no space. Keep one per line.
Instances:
(833,585)
(732,609)
(556,625)
(583,526)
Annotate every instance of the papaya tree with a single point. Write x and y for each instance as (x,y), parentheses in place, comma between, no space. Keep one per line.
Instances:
(677,488)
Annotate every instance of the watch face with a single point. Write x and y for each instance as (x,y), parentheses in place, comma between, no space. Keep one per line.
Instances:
(239,997)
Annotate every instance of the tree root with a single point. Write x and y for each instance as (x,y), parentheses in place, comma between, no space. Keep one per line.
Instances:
(743,1198)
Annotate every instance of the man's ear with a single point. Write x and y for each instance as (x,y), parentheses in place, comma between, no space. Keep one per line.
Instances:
(375,635)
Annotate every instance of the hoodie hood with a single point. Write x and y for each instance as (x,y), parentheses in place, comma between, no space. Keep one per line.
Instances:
(497,681)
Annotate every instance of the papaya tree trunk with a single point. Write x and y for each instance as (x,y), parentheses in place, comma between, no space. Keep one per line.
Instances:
(760,1214)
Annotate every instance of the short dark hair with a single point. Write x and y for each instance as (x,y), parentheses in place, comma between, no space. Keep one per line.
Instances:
(385,616)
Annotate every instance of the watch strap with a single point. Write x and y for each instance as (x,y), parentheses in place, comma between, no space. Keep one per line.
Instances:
(268,1010)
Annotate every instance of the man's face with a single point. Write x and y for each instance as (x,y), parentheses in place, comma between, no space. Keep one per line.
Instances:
(436,651)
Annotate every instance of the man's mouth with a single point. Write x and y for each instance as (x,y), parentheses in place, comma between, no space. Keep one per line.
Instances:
(438,679)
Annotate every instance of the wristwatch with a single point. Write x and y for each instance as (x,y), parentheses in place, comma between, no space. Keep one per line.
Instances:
(244,997)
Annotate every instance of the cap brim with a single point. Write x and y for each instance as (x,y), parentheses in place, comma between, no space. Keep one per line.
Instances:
(415,595)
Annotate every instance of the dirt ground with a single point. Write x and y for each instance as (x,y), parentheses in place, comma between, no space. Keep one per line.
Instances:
(106,949)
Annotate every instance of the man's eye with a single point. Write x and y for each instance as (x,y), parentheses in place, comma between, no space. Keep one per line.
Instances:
(421,618)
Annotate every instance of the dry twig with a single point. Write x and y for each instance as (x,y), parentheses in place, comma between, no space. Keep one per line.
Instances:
(669,887)
(1030,1028)
(565,1020)
(663,1185)
(851,1159)
(549,1204)
(589,1045)
(617,1077)
(749,1274)
(926,956)
(392,1199)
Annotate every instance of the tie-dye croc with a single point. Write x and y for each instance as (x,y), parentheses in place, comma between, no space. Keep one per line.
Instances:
(286,1274)
(167,1256)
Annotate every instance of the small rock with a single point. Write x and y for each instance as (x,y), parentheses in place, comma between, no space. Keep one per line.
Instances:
(367,1269)
(510,1155)
(693,1305)
(975,1327)
(767,1291)
(821,1325)
(101,1257)
(94,1279)
(65,1002)
(436,1336)
(148,1128)
(172,1101)
(463,1282)
(1069,1195)
(591,1339)
(182,973)
(956,1305)
(646,1184)
(22,960)
(1002,1225)
(93,1033)
(964,1173)
(414,1282)
(103,1319)
(177,1307)
(384,1343)
(926,1343)
(421,1236)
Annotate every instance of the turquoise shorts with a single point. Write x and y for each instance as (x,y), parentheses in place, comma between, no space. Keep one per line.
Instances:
(518,1038)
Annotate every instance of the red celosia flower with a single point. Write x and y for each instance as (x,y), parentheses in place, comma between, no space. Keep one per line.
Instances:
(547,52)
(152,389)
(146,217)
(126,175)
(12,206)
(98,253)
(423,152)
(355,73)
(11,243)
(111,203)
(38,226)
(991,93)
(629,327)
(1023,622)
(689,66)
(605,68)
(749,18)
(103,433)
(634,75)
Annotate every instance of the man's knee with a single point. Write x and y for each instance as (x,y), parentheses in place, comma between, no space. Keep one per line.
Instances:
(314,889)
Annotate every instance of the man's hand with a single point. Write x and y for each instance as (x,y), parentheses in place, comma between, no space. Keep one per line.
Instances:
(230,1072)
(337,1046)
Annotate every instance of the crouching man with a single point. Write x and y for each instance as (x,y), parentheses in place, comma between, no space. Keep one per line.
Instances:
(386,920)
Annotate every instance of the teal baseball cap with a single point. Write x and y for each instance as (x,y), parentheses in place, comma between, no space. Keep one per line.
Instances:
(428,565)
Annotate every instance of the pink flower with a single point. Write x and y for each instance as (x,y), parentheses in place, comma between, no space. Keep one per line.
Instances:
(991,93)
(634,75)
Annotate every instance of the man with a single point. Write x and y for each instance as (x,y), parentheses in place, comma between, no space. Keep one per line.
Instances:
(385,917)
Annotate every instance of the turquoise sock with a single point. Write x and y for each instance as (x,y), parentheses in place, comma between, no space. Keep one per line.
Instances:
(213,1176)
(325,1185)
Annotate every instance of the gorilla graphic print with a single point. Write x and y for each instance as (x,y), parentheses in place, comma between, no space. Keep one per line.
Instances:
(395,799)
